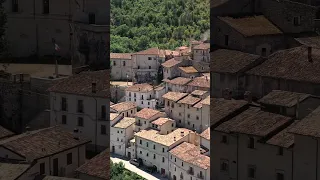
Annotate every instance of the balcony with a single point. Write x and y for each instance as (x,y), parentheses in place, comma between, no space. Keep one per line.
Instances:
(190,171)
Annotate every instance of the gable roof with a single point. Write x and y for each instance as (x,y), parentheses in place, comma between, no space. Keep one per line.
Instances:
(140,88)
(123,106)
(4,133)
(202,46)
(146,113)
(150,51)
(10,171)
(283,98)
(174,96)
(170,63)
(126,56)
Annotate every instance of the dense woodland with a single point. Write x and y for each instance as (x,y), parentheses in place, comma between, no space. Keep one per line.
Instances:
(118,172)
(140,24)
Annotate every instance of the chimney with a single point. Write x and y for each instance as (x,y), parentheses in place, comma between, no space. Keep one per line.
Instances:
(94,86)
(310,54)
(182,133)
(227,94)
(248,96)
(75,134)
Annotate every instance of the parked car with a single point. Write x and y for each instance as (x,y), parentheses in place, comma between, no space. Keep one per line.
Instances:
(135,162)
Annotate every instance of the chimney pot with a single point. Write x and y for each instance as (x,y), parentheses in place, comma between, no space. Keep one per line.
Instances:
(310,54)
(94,85)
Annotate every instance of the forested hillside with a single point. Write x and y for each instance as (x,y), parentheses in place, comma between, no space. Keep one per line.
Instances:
(139,24)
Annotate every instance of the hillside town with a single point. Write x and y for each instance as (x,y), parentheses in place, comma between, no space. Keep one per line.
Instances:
(264,90)
(161,121)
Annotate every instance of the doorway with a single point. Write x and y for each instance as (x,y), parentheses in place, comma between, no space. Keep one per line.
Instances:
(112,149)
(163,171)
(55,167)
(129,155)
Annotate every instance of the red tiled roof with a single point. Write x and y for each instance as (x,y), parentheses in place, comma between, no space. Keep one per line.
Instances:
(206,134)
(188,70)
(146,113)
(202,46)
(200,82)
(120,55)
(174,96)
(123,106)
(170,63)
(140,88)
(161,121)
(150,51)
(180,81)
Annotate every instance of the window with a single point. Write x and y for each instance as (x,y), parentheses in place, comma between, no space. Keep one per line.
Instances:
(224,165)
(147,144)
(124,63)
(190,171)
(149,67)
(147,154)
(163,159)
(296,21)
(148,103)
(69,158)
(103,112)
(138,67)
(119,147)
(179,114)
(64,119)
(118,138)
(251,143)
(140,141)
(114,63)
(188,115)
(182,164)
(188,106)
(141,102)
(226,40)
(224,139)
(175,159)
(263,52)
(280,151)
(15,6)
(149,58)
(197,117)
(63,104)
(154,146)
(80,106)
(80,121)
(280,176)
(154,156)
(222,77)
(188,122)
(103,129)
(92,18)
(251,172)
(163,150)
(42,168)
(46,6)
(140,152)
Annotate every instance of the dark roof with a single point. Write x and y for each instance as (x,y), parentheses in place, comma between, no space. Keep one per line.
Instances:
(291,64)
(230,61)
(221,108)
(41,143)
(202,46)
(5,133)
(9,171)
(309,126)
(310,41)
(252,25)
(283,138)
(190,100)
(81,84)
(170,63)
(98,166)
(254,121)
(283,98)
(202,81)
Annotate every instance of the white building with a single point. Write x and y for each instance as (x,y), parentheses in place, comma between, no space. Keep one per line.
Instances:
(205,140)
(81,101)
(145,95)
(201,57)
(97,168)
(50,151)
(187,162)
(71,24)
(127,109)
(178,84)
(145,117)
(146,64)
(121,66)
(121,134)
(170,68)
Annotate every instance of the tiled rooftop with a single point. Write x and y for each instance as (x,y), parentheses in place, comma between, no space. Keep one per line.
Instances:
(123,106)
(10,171)
(254,121)
(4,133)
(230,61)
(283,138)
(200,82)
(252,25)
(190,100)
(113,116)
(98,166)
(166,140)
(188,69)
(41,143)
(140,88)
(150,51)
(120,55)
(81,84)
(202,46)
(125,123)
(170,63)
(174,96)
(309,126)
(146,113)
(206,133)
(199,92)
(191,154)
(310,41)
(283,98)
(205,101)
(180,81)
(291,64)
(161,121)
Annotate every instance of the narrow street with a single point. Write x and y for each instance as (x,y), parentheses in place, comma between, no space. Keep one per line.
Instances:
(133,168)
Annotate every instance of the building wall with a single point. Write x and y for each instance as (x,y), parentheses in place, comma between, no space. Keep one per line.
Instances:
(118,141)
(205,143)
(146,123)
(119,70)
(200,55)
(145,102)
(127,113)
(205,117)
(192,118)
(91,128)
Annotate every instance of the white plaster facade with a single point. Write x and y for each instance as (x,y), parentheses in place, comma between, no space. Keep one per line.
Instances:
(146,99)
(121,68)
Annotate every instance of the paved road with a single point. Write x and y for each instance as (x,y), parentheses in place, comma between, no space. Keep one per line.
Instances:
(133,168)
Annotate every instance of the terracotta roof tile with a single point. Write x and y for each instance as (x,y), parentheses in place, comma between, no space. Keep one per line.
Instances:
(147,113)
(113,116)
(123,106)
(120,56)
(174,96)
(310,41)
(43,142)
(254,121)
(140,88)
(205,101)
(161,121)
(191,154)
(125,123)
(291,64)
(170,63)
(252,25)
(9,171)
(206,134)
(202,46)
(200,82)
(283,138)
(283,98)
(230,61)
(81,84)
(166,140)
(4,133)
(309,126)
(190,100)
(188,70)
(98,166)
(180,81)
(198,92)
(150,51)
